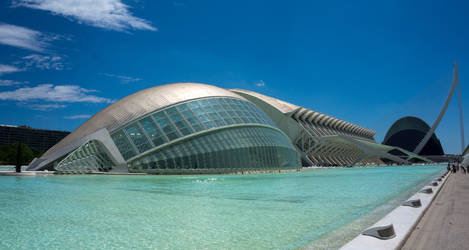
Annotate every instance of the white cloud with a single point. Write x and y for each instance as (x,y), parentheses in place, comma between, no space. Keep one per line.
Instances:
(123,79)
(49,92)
(42,107)
(107,14)
(260,83)
(9,82)
(74,117)
(43,62)
(5,69)
(22,37)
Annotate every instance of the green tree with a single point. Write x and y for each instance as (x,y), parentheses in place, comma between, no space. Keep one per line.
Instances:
(5,154)
(9,154)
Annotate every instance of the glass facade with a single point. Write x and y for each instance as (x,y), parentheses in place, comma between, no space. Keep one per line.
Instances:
(226,150)
(123,144)
(90,157)
(184,119)
(256,144)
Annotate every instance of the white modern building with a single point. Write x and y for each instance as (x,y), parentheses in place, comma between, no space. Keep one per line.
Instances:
(197,128)
(324,140)
(173,129)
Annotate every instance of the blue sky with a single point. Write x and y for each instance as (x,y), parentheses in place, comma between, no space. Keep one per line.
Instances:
(367,62)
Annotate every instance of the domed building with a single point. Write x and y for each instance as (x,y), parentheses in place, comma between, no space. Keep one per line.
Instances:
(191,128)
(173,129)
(407,133)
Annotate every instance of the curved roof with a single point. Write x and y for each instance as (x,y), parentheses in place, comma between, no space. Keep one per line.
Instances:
(138,104)
(408,122)
(304,114)
(408,131)
(282,106)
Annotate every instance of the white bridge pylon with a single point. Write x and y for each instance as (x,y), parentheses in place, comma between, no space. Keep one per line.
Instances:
(430,132)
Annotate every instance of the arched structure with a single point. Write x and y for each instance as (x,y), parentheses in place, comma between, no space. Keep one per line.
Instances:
(322,139)
(408,131)
(422,143)
(198,128)
(174,128)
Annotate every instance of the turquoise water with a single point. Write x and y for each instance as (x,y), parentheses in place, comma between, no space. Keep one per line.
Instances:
(288,210)
(11,167)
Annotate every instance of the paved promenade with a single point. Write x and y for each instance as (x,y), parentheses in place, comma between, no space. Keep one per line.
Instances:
(445,225)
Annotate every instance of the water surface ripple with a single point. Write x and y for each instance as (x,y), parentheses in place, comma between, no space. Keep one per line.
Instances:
(265,211)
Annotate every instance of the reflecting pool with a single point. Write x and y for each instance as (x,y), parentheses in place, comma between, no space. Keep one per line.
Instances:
(285,210)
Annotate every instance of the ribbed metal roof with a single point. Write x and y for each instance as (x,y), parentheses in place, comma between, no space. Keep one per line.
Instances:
(138,104)
(306,114)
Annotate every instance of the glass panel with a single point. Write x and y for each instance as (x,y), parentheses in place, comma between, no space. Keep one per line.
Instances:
(195,123)
(192,105)
(165,125)
(177,119)
(213,101)
(173,114)
(203,103)
(209,124)
(182,107)
(89,157)
(235,148)
(218,108)
(198,111)
(227,107)
(153,131)
(186,130)
(217,120)
(183,127)
(123,144)
(185,119)
(138,138)
(204,118)
(208,109)
(172,136)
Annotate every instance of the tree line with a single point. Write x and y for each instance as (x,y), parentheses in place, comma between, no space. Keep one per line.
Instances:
(18,153)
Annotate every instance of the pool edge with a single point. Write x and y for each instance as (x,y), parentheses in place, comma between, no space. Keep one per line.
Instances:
(404,220)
